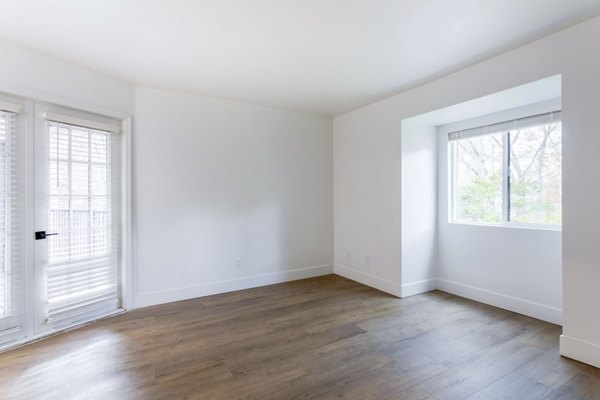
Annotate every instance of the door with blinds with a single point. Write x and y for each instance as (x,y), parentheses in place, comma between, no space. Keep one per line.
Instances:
(13,314)
(77,216)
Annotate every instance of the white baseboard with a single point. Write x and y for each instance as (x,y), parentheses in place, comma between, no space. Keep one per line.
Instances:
(580,350)
(413,288)
(230,285)
(385,285)
(525,307)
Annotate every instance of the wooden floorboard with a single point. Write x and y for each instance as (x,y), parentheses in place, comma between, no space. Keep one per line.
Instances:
(320,338)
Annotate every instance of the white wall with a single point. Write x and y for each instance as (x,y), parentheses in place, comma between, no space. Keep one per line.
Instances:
(519,269)
(513,268)
(214,180)
(367,197)
(367,169)
(419,207)
(37,76)
(217,181)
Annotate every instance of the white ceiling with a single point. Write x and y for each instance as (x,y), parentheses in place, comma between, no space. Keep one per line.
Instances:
(320,56)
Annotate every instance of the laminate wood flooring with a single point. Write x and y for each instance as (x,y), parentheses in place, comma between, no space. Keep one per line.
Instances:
(319,338)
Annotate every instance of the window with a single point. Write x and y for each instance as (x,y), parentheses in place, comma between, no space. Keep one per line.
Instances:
(508,173)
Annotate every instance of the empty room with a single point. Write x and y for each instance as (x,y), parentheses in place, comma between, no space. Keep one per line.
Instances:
(286,199)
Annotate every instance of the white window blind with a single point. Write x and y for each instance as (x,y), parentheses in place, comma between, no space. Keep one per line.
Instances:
(82,122)
(82,270)
(521,123)
(11,230)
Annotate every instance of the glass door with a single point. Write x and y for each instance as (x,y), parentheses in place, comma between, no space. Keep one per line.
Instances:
(77,222)
(13,313)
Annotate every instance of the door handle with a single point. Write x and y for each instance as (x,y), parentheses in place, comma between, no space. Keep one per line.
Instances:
(39,235)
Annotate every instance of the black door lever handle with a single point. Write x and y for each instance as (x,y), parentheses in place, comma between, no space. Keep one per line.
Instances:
(39,235)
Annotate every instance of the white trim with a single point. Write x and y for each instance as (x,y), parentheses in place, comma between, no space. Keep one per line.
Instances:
(128,273)
(383,284)
(30,282)
(520,306)
(230,285)
(10,107)
(69,119)
(424,286)
(452,178)
(512,225)
(505,178)
(580,350)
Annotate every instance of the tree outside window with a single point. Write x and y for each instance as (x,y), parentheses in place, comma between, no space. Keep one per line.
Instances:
(513,176)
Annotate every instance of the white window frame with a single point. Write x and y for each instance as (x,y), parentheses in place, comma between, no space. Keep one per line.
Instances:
(546,107)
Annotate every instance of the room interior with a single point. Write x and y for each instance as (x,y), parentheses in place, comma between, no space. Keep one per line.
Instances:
(262,200)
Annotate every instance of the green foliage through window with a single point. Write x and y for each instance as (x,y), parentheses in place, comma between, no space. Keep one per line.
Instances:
(523,186)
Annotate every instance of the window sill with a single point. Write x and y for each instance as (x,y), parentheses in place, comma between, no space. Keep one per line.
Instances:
(534,227)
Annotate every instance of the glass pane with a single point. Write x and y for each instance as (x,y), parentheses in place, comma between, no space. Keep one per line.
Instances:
(535,175)
(99,180)
(99,147)
(59,177)
(79,201)
(80,213)
(80,182)
(58,144)
(4,200)
(479,179)
(79,145)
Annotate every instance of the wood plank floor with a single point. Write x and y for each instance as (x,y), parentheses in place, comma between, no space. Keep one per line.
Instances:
(321,338)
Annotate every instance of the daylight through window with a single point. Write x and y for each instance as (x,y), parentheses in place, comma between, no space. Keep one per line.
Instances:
(508,173)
